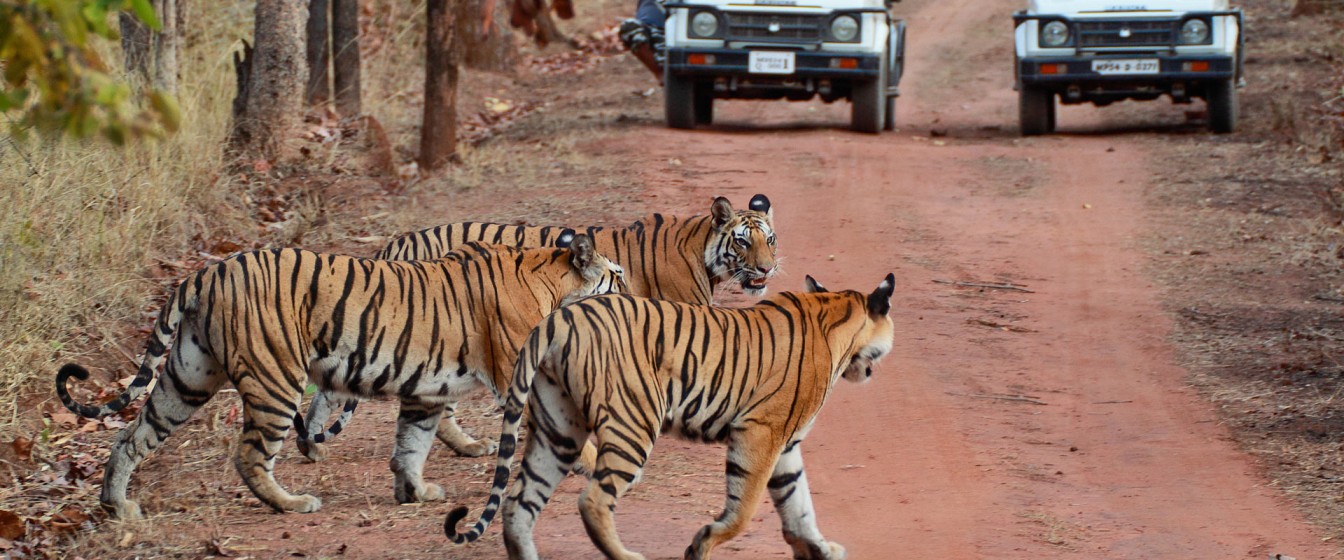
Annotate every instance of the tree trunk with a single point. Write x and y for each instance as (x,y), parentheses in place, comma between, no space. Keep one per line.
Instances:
(135,45)
(274,95)
(166,46)
(319,48)
(152,55)
(438,128)
(345,47)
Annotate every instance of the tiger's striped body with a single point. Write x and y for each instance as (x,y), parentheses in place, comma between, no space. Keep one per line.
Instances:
(625,369)
(272,321)
(664,257)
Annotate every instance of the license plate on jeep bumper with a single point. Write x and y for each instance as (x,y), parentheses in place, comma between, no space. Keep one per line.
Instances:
(1127,66)
(770,62)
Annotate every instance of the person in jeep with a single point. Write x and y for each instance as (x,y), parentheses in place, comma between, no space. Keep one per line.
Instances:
(643,36)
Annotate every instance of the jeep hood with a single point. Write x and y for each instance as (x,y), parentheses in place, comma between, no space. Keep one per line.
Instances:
(1128,7)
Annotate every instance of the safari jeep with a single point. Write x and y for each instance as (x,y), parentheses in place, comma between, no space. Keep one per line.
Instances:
(1103,51)
(783,49)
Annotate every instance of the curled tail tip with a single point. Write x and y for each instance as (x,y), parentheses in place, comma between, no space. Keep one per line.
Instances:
(71,370)
(450,525)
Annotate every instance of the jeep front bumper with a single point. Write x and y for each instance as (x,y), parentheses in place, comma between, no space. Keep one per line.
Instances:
(713,63)
(1063,71)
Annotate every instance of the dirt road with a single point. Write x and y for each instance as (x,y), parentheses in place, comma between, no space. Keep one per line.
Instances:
(1049,424)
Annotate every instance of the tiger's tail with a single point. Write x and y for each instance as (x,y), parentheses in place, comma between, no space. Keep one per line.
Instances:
(534,351)
(170,318)
(347,412)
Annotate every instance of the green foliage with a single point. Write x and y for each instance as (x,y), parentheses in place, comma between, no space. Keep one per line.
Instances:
(55,81)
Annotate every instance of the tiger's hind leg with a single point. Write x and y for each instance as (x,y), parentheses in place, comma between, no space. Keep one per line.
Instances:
(621,454)
(555,433)
(793,502)
(415,433)
(189,379)
(452,435)
(271,396)
(751,458)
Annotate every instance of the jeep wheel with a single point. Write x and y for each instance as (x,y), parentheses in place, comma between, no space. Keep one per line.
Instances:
(1036,111)
(704,103)
(1221,98)
(678,101)
(889,123)
(868,101)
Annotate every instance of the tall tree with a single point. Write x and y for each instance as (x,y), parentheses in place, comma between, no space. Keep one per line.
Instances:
(345,55)
(271,80)
(333,53)
(319,53)
(152,54)
(438,127)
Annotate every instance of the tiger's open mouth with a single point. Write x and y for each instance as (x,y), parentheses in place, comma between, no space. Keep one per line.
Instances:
(755,286)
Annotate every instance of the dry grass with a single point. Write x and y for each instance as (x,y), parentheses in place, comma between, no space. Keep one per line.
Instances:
(83,222)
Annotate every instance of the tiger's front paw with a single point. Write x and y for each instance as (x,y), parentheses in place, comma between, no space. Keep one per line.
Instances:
(407,493)
(315,452)
(430,493)
(127,510)
(303,503)
(478,448)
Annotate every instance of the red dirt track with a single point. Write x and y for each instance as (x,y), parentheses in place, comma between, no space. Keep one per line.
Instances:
(941,455)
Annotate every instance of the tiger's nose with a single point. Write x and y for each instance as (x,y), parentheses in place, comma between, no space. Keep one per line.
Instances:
(765,269)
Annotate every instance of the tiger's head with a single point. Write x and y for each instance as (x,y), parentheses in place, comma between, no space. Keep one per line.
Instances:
(874,337)
(597,274)
(742,246)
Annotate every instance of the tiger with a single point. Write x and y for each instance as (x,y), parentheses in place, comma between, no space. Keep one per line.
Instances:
(624,369)
(665,257)
(272,321)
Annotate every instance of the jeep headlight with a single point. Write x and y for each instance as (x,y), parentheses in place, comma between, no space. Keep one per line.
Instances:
(1194,31)
(844,29)
(704,24)
(1054,34)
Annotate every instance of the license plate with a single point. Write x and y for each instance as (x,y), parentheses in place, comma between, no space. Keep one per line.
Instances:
(1127,66)
(770,62)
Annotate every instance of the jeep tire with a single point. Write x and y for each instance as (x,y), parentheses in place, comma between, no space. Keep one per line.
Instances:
(1221,98)
(868,102)
(679,101)
(889,122)
(1036,110)
(704,103)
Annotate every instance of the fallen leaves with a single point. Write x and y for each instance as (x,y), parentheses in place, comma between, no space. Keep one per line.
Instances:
(11,526)
(23,448)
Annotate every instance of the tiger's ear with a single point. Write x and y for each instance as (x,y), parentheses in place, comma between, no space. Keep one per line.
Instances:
(583,255)
(761,203)
(722,210)
(566,239)
(812,285)
(879,302)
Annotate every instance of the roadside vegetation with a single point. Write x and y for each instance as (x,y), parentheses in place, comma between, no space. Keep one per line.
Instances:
(1250,246)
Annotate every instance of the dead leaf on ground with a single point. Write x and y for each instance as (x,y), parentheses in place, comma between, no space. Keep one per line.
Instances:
(11,526)
(64,419)
(23,448)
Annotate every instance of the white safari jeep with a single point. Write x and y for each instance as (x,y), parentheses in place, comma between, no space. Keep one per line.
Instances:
(783,49)
(1102,51)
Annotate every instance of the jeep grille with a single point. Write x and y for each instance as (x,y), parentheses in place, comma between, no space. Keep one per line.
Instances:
(774,27)
(1126,33)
